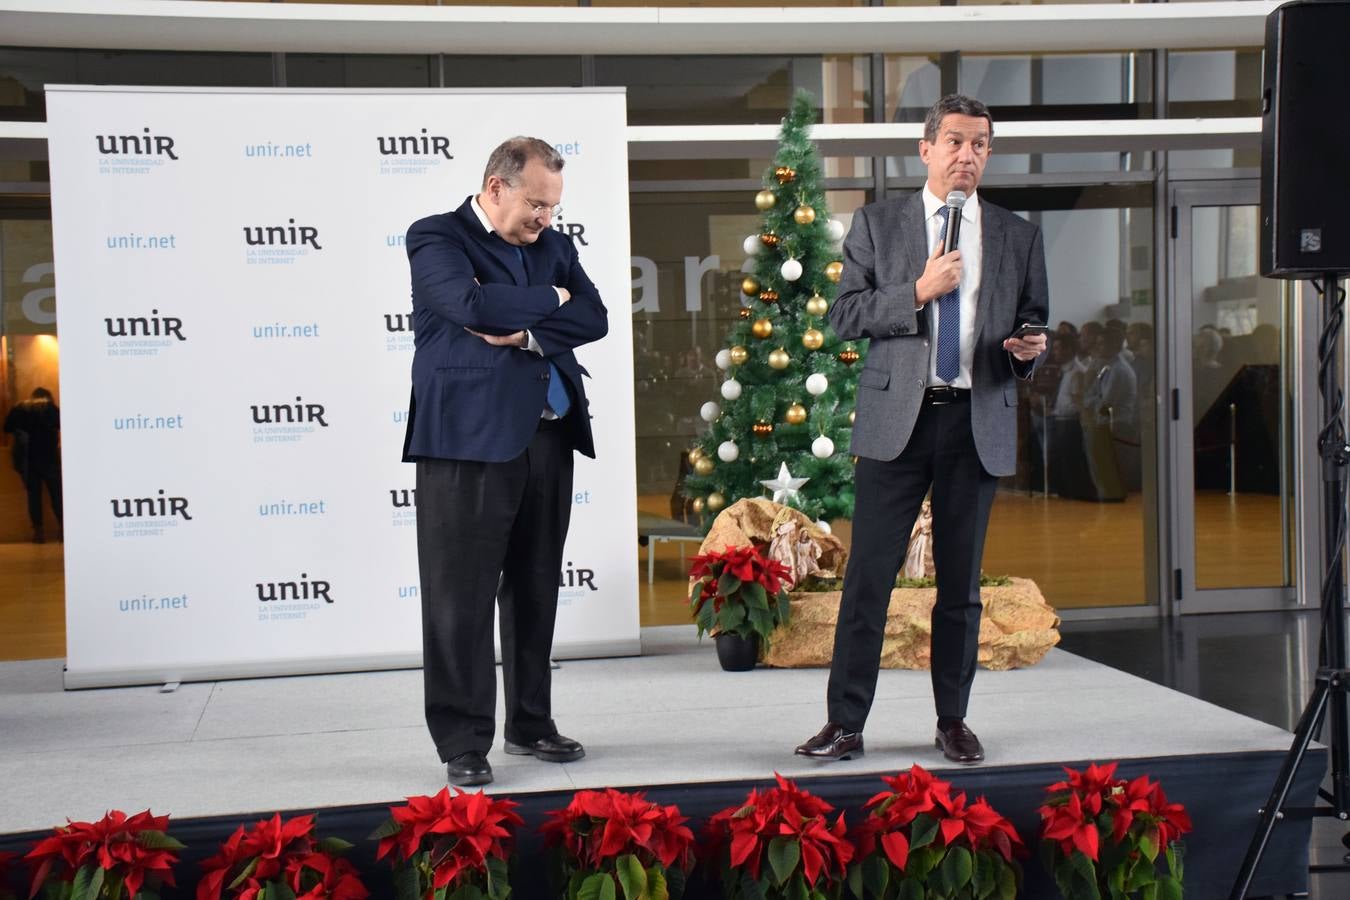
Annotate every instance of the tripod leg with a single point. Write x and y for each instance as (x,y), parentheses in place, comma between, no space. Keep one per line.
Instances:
(1308,724)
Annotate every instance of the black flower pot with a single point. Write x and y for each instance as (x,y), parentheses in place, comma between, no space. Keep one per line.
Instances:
(737,652)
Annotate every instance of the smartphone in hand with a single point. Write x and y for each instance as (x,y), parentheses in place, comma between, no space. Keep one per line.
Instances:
(1029,328)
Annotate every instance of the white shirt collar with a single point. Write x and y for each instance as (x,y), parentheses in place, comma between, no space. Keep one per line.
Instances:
(482,216)
(932,203)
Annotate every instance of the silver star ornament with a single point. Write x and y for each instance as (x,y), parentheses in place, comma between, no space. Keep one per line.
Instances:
(786,489)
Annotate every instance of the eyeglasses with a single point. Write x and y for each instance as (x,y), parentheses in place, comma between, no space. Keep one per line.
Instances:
(538,209)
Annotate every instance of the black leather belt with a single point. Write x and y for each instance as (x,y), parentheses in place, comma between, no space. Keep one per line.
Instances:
(943,394)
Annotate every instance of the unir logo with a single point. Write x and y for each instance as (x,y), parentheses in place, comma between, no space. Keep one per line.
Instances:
(289,235)
(157,507)
(289,413)
(422,144)
(153,325)
(305,588)
(145,144)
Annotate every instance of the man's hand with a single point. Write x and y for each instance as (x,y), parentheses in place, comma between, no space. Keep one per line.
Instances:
(1026,348)
(563,294)
(519,339)
(941,275)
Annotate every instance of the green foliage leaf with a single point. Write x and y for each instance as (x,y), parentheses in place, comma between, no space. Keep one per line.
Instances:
(925,829)
(910,889)
(467,892)
(876,873)
(784,854)
(158,840)
(406,880)
(1169,888)
(955,870)
(728,584)
(656,883)
(750,889)
(675,882)
(632,877)
(854,879)
(88,882)
(755,595)
(389,828)
(597,887)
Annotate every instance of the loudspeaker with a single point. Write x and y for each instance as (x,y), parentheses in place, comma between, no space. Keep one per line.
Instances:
(1305,140)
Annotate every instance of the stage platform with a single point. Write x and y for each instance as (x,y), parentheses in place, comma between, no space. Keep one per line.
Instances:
(670,721)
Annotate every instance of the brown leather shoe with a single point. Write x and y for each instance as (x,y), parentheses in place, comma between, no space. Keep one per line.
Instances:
(958,743)
(833,743)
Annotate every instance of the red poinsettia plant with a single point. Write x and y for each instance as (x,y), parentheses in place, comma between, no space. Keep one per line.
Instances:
(921,839)
(280,860)
(450,846)
(1108,837)
(780,843)
(119,857)
(739,591)
(608,843)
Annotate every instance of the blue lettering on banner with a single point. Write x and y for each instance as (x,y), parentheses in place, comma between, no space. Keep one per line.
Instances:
(284,508)
(581,497)
(279,150)
(285,330)
(147,603)
(148,422)
(407,591)
(568,149)
(134,241)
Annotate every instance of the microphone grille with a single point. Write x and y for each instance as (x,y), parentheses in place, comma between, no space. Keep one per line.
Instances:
(957,199)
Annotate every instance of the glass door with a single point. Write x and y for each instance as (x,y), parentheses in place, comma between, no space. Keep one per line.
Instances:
(1232,408)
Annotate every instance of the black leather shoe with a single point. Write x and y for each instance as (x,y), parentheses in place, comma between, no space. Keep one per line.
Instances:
(958,743)
(469,769)
(554,748)
(833,743)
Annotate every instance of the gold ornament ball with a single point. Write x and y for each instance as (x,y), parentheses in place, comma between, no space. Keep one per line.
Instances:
(784,174)
(812,339)
(739,355)
(762,328)
(749,287)
(704,466)
(779,359)
(761,429)
(804,215)
(745,312)
(769,239)
(768,296)
(716,501)
(851,416)
(834,270)
(849,357)
(765,200)
(695,454)
(697,505)
(795,415)
(817,306)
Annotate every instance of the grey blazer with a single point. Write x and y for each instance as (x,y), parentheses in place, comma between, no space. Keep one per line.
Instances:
(884,255)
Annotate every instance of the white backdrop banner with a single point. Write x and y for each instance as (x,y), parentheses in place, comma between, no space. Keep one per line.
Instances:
(234,316)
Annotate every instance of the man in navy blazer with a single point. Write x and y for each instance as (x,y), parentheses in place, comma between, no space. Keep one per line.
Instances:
(500,301)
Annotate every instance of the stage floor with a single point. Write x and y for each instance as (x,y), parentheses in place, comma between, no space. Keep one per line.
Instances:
(670,716)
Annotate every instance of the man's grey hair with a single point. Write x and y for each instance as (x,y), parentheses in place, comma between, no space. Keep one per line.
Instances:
(958,104)
(511,155)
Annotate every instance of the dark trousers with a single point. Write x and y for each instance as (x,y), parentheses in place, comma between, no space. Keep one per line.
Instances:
(36,476)
(491,534)
(941,454)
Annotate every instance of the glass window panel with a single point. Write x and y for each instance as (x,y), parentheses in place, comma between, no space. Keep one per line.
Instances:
(359,70)
(719,90)
(511,71)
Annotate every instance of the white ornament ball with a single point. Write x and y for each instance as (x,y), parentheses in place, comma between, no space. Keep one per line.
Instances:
(816,384)
(751,245)
(822,447)
(835,229)
(728,451)
(823,525)
(710,411)
(731,389)
(723,358)
(791,270)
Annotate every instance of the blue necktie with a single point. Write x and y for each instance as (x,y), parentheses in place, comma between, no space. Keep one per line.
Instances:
(949,323)
(557,397)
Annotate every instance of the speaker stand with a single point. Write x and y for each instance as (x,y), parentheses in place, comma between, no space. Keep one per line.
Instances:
(1332,690)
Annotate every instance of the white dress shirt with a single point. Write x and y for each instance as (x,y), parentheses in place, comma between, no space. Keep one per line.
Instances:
(971,244)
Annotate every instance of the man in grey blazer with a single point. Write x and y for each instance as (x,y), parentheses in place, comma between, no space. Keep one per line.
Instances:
(936,408)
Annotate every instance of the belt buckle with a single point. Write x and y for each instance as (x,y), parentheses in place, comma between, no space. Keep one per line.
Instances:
(941,395)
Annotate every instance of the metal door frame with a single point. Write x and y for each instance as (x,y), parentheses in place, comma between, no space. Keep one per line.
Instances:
(1176,378)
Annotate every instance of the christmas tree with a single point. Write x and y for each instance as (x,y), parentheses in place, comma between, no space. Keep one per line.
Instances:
(782,423)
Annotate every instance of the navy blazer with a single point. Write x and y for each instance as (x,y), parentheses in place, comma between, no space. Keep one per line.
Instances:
(471,400)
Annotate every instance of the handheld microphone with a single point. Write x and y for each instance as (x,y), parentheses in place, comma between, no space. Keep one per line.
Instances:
(955,200)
